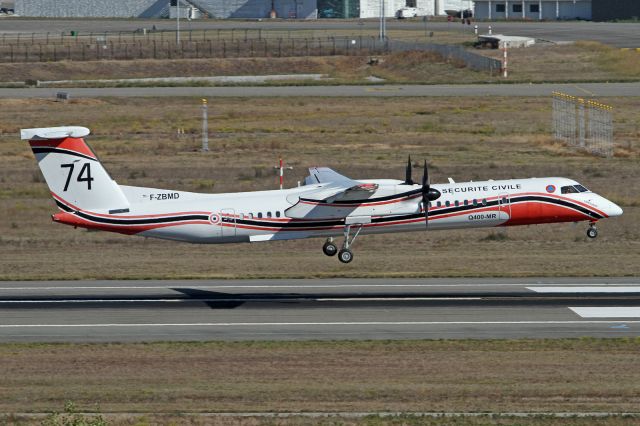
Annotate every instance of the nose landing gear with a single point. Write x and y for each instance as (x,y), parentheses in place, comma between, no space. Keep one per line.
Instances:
(592,232)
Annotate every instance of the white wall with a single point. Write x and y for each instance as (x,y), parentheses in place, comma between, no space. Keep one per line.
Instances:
(567,9)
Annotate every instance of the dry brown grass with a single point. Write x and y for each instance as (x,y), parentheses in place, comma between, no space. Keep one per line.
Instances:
(495,376)
(398,67)
(584,61)
(467,138)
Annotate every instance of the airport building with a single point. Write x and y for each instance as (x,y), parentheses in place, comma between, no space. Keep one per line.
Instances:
(533,9)
(609,10)
(242,9)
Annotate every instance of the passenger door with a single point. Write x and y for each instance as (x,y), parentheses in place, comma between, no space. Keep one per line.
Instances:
(228,221)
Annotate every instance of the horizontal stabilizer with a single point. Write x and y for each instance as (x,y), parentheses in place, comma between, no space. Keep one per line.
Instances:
(54,133)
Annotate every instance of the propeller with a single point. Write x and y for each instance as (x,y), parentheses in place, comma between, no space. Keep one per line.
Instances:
(428,193)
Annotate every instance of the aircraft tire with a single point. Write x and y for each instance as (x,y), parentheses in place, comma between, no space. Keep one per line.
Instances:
(345,255)
(592,232)
(329,249)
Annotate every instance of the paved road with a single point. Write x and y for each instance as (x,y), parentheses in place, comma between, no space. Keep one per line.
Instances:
(89,311)
(621,35)
(583,90)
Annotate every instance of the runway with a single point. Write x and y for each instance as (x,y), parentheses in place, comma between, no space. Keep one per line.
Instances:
(125,311)
(392,90)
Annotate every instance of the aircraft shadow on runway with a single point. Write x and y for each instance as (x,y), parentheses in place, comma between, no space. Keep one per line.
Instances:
(276,300)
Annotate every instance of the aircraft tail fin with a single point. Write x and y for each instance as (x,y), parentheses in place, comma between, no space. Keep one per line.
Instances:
(72,170)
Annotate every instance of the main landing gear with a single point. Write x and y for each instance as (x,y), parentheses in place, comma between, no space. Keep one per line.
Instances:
(345,255)
(592,232)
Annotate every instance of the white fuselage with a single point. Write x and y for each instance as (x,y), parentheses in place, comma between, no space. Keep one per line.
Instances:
(262,215)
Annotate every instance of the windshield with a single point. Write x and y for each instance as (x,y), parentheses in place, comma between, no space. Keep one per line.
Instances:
(573,189)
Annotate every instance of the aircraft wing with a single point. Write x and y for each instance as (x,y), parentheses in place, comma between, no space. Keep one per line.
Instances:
(333,199)
(326,175)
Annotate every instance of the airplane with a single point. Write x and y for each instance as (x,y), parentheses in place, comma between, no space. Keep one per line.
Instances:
(328,205)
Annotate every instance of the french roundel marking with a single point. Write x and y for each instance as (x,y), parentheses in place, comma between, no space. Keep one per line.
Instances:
(551,188)
(214,218)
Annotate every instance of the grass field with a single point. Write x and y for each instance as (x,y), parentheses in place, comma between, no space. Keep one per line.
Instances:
(583,61)
(572,375)
(468,139)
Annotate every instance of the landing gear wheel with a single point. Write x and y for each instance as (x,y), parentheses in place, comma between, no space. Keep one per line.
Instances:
(330,249)
(592,232)
(345,255)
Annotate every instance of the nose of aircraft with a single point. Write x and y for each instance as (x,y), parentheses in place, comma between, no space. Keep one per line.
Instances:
(612,209)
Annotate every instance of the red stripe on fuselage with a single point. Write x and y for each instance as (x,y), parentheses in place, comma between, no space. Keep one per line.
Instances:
(73,220)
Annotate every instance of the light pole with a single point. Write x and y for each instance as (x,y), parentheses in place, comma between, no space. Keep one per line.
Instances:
(383,28)
(178,21)
(205,126)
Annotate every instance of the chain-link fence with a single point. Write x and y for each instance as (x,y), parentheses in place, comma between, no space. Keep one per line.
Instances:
(194,49)
(448,51)
(231,43)
(583,124)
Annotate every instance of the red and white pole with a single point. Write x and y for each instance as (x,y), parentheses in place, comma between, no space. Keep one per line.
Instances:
(505,63)
(280,167)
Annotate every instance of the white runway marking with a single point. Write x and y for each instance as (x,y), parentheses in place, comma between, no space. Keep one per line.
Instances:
(588,289)
(608,312)
(261,299)
(285,286)
(323,324)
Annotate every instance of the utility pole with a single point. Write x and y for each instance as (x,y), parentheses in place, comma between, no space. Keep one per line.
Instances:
(205,126)
(178,21)
(281,169)
(383,25)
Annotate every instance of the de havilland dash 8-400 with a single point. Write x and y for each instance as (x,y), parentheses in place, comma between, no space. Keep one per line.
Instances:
(328,205)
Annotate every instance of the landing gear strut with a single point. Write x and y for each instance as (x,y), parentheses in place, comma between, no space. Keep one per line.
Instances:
(592,232)
(345,255)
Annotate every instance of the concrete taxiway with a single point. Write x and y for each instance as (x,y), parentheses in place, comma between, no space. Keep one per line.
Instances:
(90,311)
(391,90)
(614,33)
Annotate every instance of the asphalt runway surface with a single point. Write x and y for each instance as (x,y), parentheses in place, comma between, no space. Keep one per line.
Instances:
(616,34)
(504,90)
(125,311)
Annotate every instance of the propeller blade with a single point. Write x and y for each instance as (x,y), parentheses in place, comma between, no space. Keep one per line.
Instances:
(425,177)
(408,180)
(425,193)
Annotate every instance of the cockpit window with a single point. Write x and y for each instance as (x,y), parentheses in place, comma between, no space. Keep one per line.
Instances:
(581,188)
(568,190)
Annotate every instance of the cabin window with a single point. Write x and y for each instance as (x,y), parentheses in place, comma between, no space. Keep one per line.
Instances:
(260,215)
(447,203)
(268,214)
(504,200)
(466,202)
(568,190)
(457,203)
(438,204)
(250,215)
(278,213)
(475,202)
(484,201)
